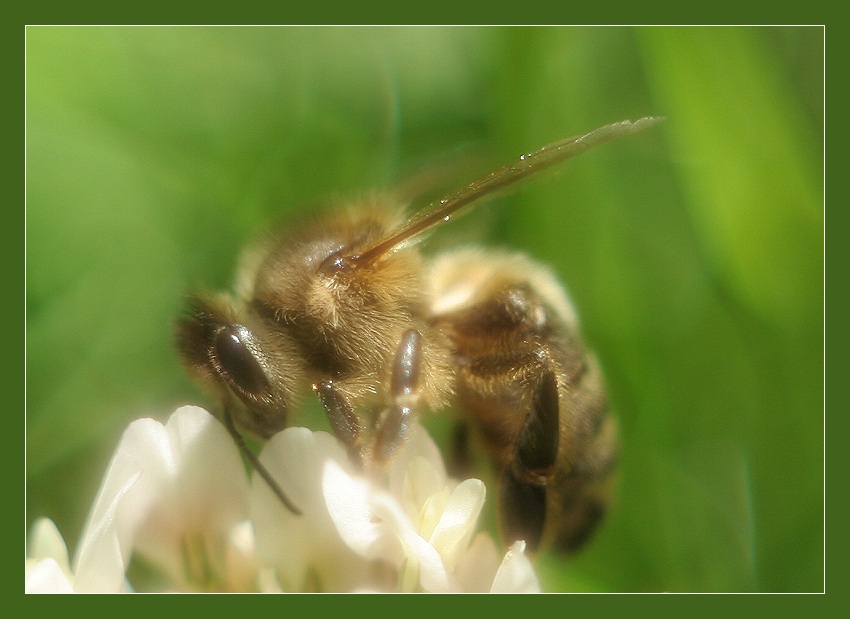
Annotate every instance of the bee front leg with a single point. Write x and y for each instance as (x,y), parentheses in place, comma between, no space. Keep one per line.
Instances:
(344,422)
(394,424)
(523,497)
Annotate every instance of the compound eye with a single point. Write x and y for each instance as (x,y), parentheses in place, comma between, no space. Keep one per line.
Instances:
(235,355)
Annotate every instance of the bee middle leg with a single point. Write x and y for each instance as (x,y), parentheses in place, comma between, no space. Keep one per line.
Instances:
(394,422)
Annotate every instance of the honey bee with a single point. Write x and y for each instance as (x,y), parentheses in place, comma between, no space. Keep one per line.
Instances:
(346,305)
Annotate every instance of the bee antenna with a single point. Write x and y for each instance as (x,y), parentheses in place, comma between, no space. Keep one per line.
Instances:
(258,466)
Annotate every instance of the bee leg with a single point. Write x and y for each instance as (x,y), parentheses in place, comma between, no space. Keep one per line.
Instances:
(255,462)
(523,509)
(344,422)
(460,459)
(523,496)
(395,422)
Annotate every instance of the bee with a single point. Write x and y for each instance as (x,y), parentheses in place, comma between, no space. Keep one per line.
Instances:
(347,305)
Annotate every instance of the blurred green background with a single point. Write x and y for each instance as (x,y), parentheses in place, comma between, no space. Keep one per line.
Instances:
(693,251)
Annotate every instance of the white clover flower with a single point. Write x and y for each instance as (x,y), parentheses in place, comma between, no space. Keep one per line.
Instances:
(47,566)
(175,495)
(303,552)
(178,497)
(422,525)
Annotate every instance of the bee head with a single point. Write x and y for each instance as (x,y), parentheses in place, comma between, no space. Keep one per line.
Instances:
(247,366)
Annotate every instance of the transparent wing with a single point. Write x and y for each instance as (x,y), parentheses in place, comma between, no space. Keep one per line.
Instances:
(444,209)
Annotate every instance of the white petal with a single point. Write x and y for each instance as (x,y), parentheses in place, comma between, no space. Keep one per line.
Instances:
(516,575)
(105,546)
(267,581)
(283,539)
(46,576)
(433,575)
(200,491)
(240,559)
(347,501)
(457,523)
(476,569)
(296,458)
(429,479)
(420,495)
(164,484)
(47,543)
(377,528)
(211,483)
(207,487)
(429,516)
(368,531)
(296,546)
